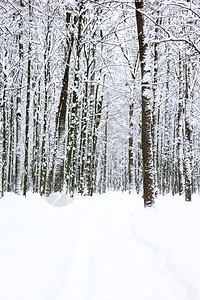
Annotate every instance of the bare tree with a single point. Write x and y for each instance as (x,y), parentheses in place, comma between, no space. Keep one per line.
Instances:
(146,96)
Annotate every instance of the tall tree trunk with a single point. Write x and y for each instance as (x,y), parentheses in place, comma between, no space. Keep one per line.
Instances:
(61,117)
(43,172)
(130,147)
(155,111)
(146,95)
(28,97)
(18,158)
(188,140)
(91,112)
(71,144)
(188,135)
(166,136)
(1,126)
(10,156)
(180,129)
(4,122)
(104,181)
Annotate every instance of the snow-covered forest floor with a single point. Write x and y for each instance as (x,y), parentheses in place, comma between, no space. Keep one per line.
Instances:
(104,247)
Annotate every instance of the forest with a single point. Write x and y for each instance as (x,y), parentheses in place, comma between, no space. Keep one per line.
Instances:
(100,96)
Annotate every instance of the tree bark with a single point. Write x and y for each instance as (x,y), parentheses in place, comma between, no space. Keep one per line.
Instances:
(188,141)
(180,129)
(61,118)
(28,97)
(146,95)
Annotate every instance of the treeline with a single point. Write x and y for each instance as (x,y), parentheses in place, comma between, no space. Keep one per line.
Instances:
(73,105)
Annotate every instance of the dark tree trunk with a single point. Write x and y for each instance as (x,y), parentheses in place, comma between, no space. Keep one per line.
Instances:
(188,136)
(146,95)
(130,147)
(180,129)
(188,141)
(61,119)
(18,113)
(28,97)
(47,76)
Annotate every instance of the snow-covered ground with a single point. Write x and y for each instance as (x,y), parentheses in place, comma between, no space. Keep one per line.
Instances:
(99,248)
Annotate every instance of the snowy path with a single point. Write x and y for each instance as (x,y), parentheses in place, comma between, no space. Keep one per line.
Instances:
(89,250)
(110,263)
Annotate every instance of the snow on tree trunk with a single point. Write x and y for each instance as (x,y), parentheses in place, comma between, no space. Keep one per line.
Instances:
(180,130)
(61,117)
(146,95)
(1,126)
(18,158)
(27,121)
(188,140)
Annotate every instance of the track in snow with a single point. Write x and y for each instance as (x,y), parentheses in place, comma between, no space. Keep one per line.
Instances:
(109,262)
(93,249)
